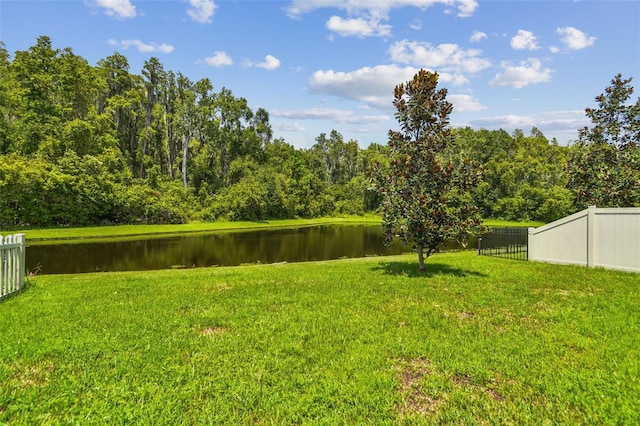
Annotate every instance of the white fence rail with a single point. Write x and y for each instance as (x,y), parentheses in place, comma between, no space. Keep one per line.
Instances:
(12,263)
(607,238)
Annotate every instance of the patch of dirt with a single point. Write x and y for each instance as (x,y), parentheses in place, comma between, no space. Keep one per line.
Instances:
(213,331)
(466,381)
(410,373)
(462,380)
(31,375)
(494,394)
(464,315)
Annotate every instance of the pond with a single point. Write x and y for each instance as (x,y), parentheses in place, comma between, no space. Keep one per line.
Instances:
(210,249)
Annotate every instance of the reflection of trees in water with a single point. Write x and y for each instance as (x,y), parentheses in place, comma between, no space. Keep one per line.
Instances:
(224,249)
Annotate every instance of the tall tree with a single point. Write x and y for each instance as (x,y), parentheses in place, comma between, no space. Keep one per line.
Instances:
(6,101)
(424,201)
(232,116)
(331,152)
(154,143)
(186,118)
(125,102)
(35,73)
(169,103)
(604,166)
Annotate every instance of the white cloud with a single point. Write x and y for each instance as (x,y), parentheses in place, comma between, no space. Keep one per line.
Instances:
(366,119)
(141,46)
(449,57)
(378,8)
(270,63)
(372,85)
(416,24)
(290,126)
(119,8)
(524,40)
(521,75)
(507,122)
(365,16)
(562,124)
(358,27)
(201,10)
(338,115)
(219,59)
(574,39)
(465,103)
(477,36)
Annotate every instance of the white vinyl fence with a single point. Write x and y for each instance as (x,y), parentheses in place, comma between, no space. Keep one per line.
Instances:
(607,238)
(12,263)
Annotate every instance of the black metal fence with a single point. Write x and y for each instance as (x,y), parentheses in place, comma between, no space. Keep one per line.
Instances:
(504,242)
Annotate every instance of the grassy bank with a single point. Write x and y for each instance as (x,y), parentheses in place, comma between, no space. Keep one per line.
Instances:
(361,341)
(155,230)
(123,231)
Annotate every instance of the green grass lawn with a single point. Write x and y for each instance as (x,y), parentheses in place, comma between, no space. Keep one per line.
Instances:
(473,340)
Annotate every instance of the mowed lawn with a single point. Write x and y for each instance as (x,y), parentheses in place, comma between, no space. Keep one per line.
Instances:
(358,341)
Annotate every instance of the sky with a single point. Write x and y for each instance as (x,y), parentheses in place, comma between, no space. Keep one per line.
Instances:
(323,65)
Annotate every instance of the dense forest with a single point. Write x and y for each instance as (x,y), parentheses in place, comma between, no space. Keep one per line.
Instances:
(83,145)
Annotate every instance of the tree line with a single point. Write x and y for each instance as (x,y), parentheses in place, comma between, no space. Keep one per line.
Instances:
(87,145)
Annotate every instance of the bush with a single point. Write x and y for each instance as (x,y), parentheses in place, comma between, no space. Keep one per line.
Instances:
(139,203)
(260,196)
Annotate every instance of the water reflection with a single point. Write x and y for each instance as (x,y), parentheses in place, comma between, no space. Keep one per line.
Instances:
(224,249)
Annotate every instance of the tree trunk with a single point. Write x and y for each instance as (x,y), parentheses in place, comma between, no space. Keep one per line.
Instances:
(421,258)
(185,151)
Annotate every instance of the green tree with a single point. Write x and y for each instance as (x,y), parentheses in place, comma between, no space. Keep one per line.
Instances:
(187,118)
(6,102)
(423,194)
(523,176)
(124,101)
(154,136)
(604,165)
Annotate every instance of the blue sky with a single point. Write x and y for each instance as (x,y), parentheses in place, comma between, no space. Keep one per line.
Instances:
(318,65)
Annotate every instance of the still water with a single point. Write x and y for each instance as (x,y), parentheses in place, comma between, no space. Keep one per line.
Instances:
(224,249)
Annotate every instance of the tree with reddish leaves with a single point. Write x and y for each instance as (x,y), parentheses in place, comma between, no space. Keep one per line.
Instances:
(426,198)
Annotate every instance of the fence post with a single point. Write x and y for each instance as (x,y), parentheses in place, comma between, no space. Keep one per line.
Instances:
(530,244)
(12,263)
(23,255)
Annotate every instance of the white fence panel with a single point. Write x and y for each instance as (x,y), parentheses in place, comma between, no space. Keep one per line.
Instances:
(562,241)
(12,263)
(616,239)
(608,238)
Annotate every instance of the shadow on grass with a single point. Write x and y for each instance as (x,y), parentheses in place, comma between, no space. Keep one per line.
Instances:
(412,270)
(27,284)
